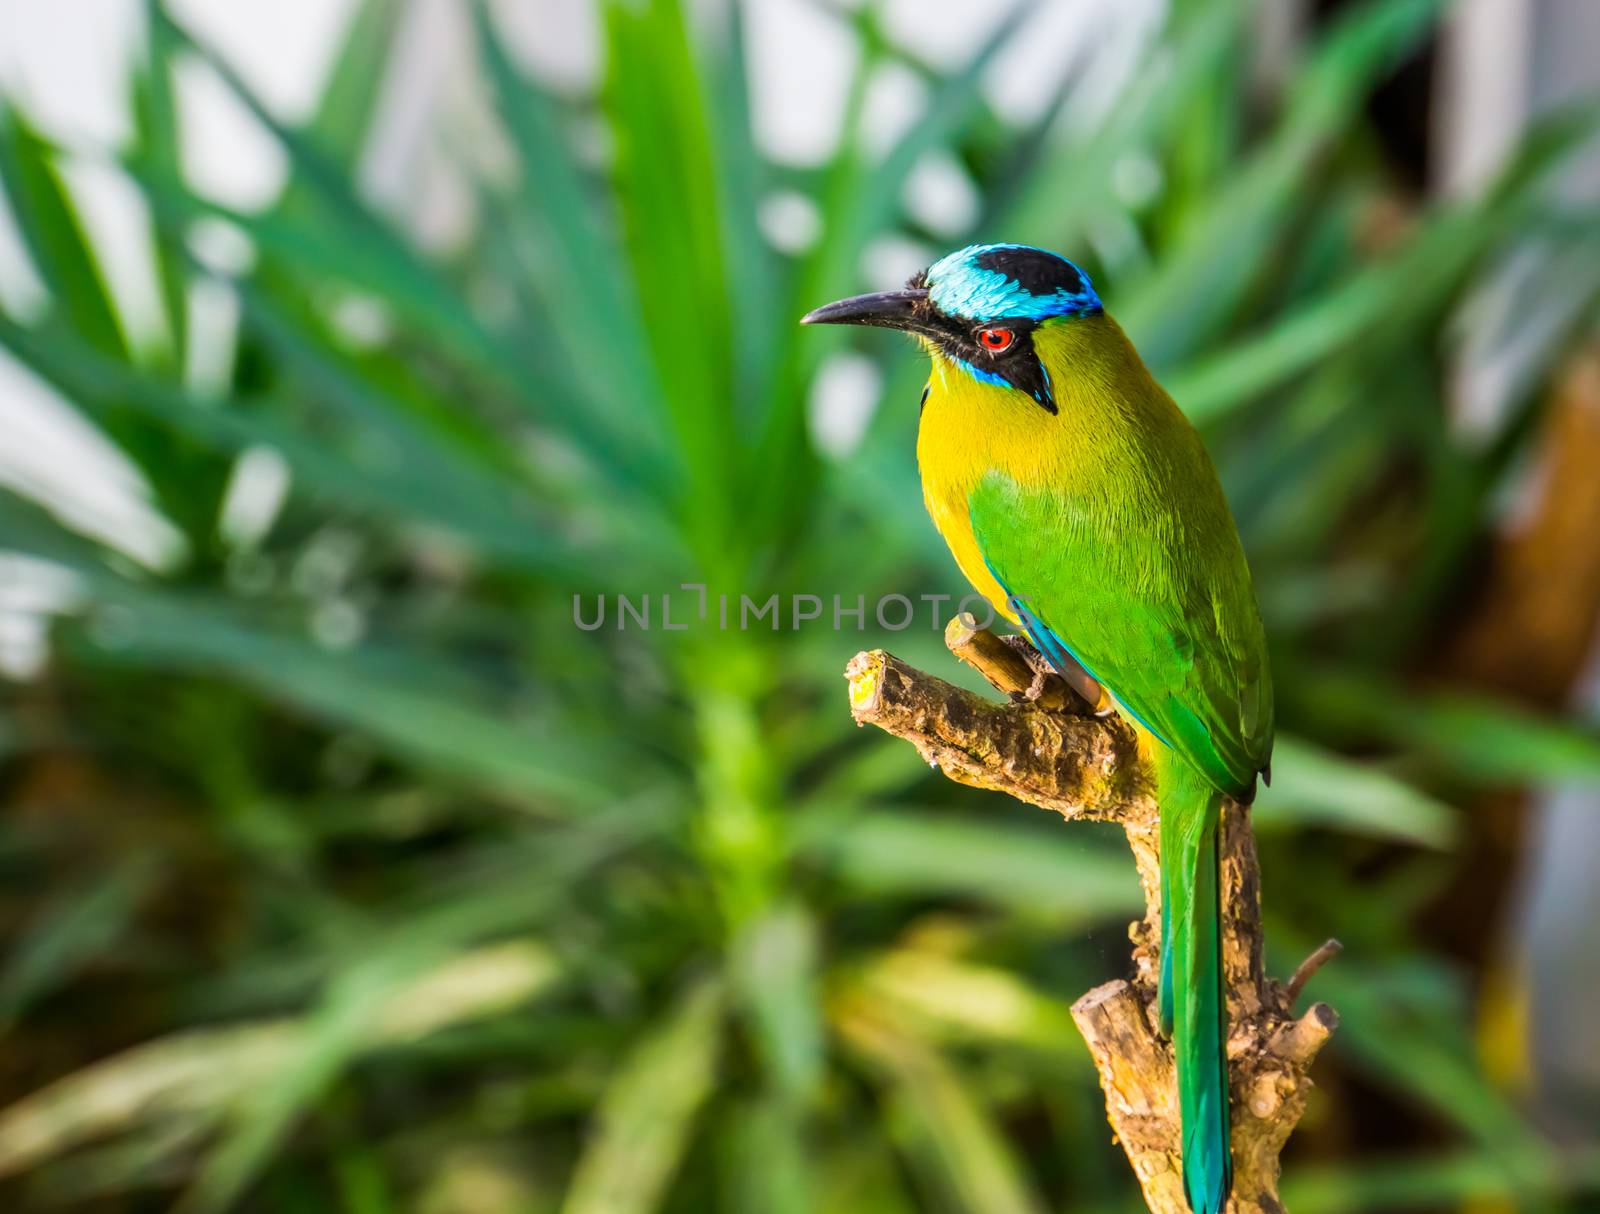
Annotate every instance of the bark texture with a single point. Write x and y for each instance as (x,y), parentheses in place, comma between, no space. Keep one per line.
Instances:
(1048,747)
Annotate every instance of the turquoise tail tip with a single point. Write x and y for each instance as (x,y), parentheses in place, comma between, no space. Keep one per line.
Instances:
(1207,1163)
(1207,1189)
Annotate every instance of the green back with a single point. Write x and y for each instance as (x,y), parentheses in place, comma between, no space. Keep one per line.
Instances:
(1137,571)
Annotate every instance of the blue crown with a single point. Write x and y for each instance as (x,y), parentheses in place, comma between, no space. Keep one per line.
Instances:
(1009,281)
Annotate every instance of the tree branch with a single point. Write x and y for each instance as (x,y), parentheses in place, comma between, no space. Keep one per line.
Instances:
(1046,747)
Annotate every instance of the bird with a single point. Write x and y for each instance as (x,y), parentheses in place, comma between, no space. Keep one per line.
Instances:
(1079,500)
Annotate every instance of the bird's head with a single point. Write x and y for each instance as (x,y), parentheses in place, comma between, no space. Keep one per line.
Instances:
(979,308)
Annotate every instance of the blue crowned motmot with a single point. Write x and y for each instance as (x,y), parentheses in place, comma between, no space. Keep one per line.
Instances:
(1079,500)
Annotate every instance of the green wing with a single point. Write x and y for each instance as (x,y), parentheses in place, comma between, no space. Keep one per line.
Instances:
(1150,593)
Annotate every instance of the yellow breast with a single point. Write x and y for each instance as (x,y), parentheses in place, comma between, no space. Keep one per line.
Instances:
(969,429)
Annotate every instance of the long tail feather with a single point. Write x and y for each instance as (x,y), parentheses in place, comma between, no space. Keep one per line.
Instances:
(1191,997)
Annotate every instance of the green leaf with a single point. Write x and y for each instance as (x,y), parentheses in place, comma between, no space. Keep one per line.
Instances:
(948,1000)
(646,1114)
(67,932)
(1190,296)
(1455,1179)
(153,105)
(1314,786)
(766,1169)
(1032,871)
(53,233)
(1472,736)
(946,1131)
(396,995)
(665,181)
(429,716)
(1380,303)
(349,101)
(337,235)
(773,973)
(576,271)
(378,483)
(325,1045)
(1072,188)
(1407,1037)
(265,1068)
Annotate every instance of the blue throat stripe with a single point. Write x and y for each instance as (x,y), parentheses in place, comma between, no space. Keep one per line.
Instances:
(981,375)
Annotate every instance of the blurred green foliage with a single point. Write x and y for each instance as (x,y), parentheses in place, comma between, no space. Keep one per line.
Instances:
(345,873)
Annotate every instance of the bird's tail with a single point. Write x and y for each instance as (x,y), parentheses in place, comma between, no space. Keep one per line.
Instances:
(1192,1007)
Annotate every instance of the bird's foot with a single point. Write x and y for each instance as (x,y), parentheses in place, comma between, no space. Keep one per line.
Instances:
(1036,689)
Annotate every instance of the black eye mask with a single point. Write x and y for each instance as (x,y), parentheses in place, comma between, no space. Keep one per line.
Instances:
(1017,366)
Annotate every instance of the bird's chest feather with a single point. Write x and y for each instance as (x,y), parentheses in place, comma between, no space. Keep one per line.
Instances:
(1115,469)
(970,431)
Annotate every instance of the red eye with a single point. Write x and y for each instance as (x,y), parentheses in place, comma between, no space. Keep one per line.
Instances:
(996,339)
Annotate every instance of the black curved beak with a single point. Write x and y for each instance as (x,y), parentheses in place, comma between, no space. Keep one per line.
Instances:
(905,310)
